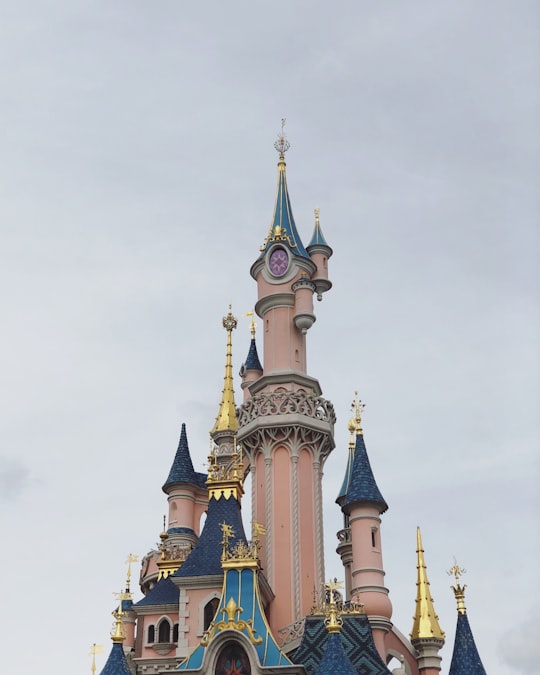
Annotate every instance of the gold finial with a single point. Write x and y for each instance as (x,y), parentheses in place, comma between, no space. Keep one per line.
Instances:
(357,407)
(228,533)
(333,620)
(253,325)
(317,211)
(426,622)
(459,591)
(282,144)
(117,633)
(95,649)
(351,426)
(226,419)
(130,559)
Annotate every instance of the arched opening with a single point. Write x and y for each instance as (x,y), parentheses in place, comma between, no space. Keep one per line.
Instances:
(233,659)
(151,635)
(164,631)
(210,610)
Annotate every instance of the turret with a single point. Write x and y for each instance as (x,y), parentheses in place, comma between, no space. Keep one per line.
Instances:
(251,370)
(320,252)
(286,427)
(465,657)
(126,605)
(187,497)
(362,504)
(426,635)
(117,663)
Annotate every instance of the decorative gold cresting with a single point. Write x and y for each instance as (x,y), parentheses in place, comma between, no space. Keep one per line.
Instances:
(95,649)
(170,557)
(426,622)
(330,596)
(459,591)
(357,408)
(226,419)
(241,555)
(226,480)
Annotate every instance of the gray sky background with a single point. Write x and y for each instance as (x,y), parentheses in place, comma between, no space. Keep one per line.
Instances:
(136,185)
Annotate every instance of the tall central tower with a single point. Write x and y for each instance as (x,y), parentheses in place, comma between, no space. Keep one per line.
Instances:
(286,427)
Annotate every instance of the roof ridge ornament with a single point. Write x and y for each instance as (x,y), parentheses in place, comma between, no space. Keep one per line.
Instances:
(357,407)
(282,144)
(459,591)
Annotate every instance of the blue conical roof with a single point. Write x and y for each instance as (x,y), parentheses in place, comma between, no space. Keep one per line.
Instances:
(361,485)
(318,237)
(182,467)
(116,663)
(335,660)
(252,360)
(205,558)
(283,228)
(465,657)
(347,479)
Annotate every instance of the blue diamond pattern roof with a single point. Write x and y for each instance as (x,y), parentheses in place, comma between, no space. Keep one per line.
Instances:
(205,558)
(252,361)
(361,484)
(357,643)
(465,657)
(163,593)
(116,664)
(182,467)
(335,660)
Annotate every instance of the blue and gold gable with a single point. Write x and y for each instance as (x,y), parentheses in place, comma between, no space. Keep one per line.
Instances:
(240,615)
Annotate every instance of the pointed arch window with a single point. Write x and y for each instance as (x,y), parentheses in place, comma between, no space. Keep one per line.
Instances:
(210,610)
(151,638)
(164,631)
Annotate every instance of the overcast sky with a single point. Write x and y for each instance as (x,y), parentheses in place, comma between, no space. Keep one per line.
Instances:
(137,180)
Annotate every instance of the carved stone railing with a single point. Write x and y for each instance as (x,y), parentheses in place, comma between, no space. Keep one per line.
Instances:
(286,403)
(344,536)
(293,631)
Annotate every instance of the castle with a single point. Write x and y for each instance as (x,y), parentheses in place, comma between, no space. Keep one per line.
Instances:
(219,602)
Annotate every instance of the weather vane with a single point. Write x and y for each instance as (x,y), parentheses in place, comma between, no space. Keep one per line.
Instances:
(282,144)
(357,407)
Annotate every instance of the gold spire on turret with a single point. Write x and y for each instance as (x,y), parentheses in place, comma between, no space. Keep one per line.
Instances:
(95,649)
(357,408)
(426,622)
(130,559)
(117,634)
(459,591)
(282,144)
(351,426)
(226,419)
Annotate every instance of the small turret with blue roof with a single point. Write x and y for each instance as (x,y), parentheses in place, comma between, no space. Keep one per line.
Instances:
(183,485)
(465,657)
(117,663)
(359,485)
(320,252)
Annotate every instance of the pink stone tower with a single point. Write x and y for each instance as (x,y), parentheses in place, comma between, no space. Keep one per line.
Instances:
(286,427)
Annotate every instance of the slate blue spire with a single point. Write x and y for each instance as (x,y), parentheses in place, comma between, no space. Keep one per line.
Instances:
(182,467)
(317,240)
(283,228)
(465,657)
(116,664)
(359,483)
(252,361)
